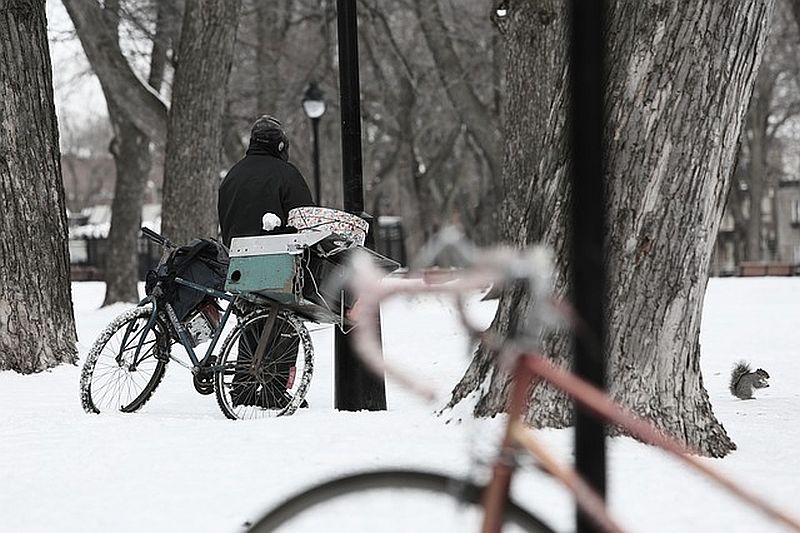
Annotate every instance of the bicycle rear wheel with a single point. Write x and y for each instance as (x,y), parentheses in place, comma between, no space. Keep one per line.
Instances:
(279,384)
(125,364)
(389,501)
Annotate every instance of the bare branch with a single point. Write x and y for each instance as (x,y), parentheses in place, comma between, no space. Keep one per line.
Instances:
(120,84)
(481,124)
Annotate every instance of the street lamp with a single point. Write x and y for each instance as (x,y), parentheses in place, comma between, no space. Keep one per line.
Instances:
(314,107)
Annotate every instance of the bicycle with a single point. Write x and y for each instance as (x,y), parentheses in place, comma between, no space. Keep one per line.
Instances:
(485,507)
(263,369)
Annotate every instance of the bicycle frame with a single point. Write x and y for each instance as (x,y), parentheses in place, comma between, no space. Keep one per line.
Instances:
(181,330)
(526,369)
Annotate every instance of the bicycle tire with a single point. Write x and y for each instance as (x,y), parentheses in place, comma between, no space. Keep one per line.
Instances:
(462,492)
(279,367)
(136,391)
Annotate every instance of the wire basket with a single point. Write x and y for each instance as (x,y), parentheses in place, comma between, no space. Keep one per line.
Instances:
(345,224)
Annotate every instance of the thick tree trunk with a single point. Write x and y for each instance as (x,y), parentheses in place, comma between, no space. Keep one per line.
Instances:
(192,164)
(37,326)
(679,78)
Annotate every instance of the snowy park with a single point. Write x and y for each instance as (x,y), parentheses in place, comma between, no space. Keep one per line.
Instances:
(616,183)
(179,465)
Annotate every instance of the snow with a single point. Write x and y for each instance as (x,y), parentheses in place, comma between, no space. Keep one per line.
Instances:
(179,465)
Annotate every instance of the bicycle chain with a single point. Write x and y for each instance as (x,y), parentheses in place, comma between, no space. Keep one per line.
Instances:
(299,278)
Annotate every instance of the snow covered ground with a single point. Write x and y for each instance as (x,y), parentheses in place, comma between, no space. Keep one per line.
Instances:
(179,465)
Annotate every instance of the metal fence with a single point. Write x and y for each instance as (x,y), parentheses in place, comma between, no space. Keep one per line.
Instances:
(87,257)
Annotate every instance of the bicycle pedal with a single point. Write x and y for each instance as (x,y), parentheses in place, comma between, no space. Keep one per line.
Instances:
(204,384)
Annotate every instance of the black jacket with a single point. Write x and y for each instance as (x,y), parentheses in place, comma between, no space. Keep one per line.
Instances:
(260,183)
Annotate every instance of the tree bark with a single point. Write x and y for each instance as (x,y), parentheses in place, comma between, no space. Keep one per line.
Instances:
(165,39)
(756,180)
(795,7)
(36,317)
(679,77)
(131,151)
(192,164)
(273,23)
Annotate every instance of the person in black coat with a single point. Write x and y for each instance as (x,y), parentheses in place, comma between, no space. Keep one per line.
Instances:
(262,183)
(255,198)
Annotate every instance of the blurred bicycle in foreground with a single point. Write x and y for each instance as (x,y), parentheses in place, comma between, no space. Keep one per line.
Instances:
(408,500)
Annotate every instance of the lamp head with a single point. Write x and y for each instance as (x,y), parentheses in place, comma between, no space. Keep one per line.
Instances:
(313,101)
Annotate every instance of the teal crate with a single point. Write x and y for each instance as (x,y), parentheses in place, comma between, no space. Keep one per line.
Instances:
(272,275)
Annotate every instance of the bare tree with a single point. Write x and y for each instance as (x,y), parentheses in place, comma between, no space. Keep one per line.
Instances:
(483,125)
(194,143)
(131,150)
(679,77)
(120,83)
(773,104)
(98,30)
(433,134)
(36,315)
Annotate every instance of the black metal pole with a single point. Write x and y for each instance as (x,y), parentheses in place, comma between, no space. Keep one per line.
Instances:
(588,229)
(317,191)
(355,387)
(349,88)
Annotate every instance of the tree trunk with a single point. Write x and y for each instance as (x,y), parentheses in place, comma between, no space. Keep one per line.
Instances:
(757,178)
(679,78)
(131,151)
(165,39)
(273,23)
(36,318)
(194,135)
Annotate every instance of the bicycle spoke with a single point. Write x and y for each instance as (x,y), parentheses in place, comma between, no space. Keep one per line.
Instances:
(125,368)
(247,392)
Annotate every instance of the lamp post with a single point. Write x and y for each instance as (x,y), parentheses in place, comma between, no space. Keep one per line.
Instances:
(355,387)
(314,107)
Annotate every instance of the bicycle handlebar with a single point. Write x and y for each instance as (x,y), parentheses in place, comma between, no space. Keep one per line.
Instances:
(156,238)
(480,267)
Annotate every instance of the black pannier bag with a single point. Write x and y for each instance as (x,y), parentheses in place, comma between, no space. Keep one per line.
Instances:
(202,261)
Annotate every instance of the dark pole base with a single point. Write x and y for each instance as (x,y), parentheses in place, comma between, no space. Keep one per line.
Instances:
(356,388)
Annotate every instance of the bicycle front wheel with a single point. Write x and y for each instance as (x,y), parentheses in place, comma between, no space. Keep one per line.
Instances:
(391,501)
(274,385)
(125,364)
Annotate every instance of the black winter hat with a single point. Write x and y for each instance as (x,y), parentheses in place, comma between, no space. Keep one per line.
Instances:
(268,130)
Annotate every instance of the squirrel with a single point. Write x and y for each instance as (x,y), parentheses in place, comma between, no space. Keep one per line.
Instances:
(743,380)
